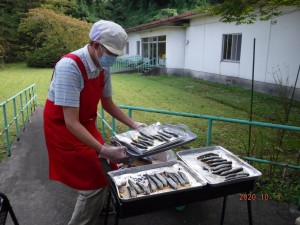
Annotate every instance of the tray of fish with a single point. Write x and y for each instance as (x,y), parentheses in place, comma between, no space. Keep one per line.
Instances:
(154,138)
(153,180)
(218,165)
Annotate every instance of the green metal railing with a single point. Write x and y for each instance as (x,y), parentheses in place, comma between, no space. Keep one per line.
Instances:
(126,62)
(20,106)
(210,120)
(151,64)
(136,62)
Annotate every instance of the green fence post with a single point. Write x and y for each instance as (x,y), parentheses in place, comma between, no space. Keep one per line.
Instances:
(16,119)
(209,128)
(130,113)
(6,131)
(113,125)
(22,111)
(26,101)
(102,123)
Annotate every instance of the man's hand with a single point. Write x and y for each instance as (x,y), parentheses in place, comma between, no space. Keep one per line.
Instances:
(115,154)
(138,125)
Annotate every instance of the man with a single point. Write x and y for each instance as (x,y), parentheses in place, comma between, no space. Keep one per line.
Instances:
(80,80)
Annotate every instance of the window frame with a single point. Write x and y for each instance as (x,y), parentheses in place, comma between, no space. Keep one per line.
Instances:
(235,47)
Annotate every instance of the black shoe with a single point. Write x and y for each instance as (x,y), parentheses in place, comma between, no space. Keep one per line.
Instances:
(111,210)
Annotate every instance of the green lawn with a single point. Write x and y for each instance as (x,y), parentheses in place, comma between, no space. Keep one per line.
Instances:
(182,94)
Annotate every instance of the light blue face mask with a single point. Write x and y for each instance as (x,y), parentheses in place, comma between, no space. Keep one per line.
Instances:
(106,60)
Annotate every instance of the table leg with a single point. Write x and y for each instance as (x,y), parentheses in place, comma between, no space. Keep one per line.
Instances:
(249,211)
(223,209)
(116,218)
(107,208)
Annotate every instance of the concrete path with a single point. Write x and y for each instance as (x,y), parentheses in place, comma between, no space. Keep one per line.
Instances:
(39,201)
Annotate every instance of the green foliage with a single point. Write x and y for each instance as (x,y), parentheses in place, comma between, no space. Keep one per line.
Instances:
(11,44)
(165,13)
(45,57)
(248,11)
(51,35)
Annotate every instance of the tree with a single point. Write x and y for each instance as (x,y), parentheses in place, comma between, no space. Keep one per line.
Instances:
(248,11)
(52,35)
(11,43)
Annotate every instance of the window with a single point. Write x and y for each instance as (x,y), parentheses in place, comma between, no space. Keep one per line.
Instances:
(138,48)
(127,48)
(231,47)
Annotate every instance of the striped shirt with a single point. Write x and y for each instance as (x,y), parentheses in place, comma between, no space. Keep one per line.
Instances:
(67,81)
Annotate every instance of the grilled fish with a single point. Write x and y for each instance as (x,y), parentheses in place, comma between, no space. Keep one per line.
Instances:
(237,174)
(158,183)
(210,158)
(131,191)
(236,177)
(174,178)
(171,183)
(184,177)
(206,155)
(219,171)
(179,178)
(152,184)
(135,186)
(164,134)
(139,145)
(221,166)
(221,163)
(170,132)
(145,188)
(236,170)
(161,178)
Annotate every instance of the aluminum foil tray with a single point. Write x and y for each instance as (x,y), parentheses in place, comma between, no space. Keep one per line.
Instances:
(154,138)
(194,160)
(120,179)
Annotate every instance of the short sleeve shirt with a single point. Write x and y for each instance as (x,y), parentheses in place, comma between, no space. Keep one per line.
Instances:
(68,82)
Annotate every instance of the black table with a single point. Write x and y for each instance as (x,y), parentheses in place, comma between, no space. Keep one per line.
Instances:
(138,207)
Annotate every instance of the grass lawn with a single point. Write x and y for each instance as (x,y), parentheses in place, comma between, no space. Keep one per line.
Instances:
(182,94)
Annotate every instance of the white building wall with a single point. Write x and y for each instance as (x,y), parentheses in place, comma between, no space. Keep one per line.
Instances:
(175,44)
(198,48)
(284,51)
(277,46)
(132,39)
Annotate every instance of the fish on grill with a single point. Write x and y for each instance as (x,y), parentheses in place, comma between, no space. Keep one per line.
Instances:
(161,178)
(131,191)
(172,177)
(210,158)
(152,185)
(164,134)
(171,183)
(221,166)
(206,155)
(184,177)
(237,174)
(170,132)
(158,183)
(221,163)
(146,135)
(219,171)
(146,189)
(235,170)
(179,178)
(139,145)
(135,186)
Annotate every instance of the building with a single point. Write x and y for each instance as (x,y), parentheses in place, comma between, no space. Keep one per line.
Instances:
(200,46)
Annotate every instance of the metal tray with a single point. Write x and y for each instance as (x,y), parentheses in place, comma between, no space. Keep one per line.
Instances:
(203,170)
(120,178)
(125,139)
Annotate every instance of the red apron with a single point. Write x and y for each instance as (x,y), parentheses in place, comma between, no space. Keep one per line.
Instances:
(70,161)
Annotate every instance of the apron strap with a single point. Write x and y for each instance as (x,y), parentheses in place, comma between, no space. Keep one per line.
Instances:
(78,62)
